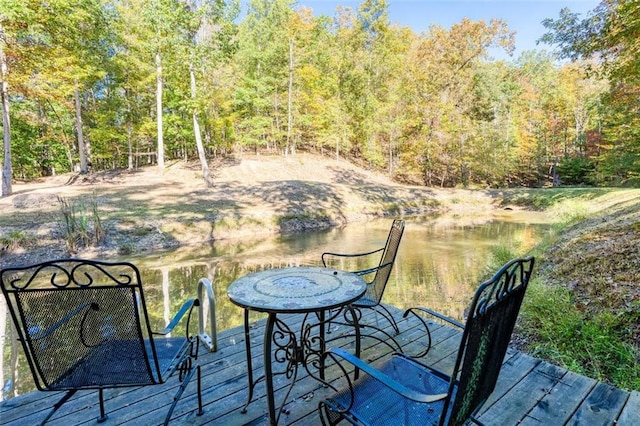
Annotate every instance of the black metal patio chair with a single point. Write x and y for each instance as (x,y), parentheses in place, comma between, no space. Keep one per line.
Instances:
(405,391)
(381,272)
(83,325)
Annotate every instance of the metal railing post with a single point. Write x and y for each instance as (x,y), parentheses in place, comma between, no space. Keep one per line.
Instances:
(210,306)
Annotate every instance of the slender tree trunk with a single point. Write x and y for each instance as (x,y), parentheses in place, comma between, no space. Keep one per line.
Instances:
(81,146)
(275,134)
(159,111)
(338,136)
(196,130)
(67,143)
(7,173)
(129,133)
(129,146)
(390,157)
(290,100)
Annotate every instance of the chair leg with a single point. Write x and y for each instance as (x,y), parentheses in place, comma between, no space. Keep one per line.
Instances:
(59,404)
(200,410)
(185,381)
(103,417)
(385,313)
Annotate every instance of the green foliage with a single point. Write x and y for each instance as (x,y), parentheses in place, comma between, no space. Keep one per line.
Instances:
(500,255)
(430,108)
(15,240)
(549,198)
(609,36)
(576,171)
(590,345)
(126,248)
(571,210)
(575,37)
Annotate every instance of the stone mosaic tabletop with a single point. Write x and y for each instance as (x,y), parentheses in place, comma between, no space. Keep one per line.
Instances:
(301,289)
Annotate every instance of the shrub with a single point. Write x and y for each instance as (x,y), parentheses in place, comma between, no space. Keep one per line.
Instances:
(576,171)
(14,240)
(81,225)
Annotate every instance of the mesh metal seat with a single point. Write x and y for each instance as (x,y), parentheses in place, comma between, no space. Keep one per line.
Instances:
(406,391)
(381,272)
(84,325)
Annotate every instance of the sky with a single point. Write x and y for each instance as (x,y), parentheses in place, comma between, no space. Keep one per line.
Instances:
(522,16)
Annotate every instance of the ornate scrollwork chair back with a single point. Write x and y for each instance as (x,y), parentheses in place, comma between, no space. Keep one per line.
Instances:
(404,390)
(487,333)
(84,325)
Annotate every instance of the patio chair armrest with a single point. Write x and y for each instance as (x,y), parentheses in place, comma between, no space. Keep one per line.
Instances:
(434,314)
(327,254)
(417,312)
(187,307)
(372,270)
(387,381)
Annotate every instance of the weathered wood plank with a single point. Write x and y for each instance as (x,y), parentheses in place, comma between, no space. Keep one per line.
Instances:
(515,367)
(560,401)
(231,382)
(522,397)
(602,406)
(630,415)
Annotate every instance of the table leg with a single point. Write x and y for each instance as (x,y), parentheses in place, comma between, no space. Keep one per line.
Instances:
(323,344)
(268,373)
(356,326)
(247,345)
(281,343)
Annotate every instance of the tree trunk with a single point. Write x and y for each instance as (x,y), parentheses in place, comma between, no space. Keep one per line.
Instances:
(196,130)
(81,146)
(129,134)
(159,111)
(129,146)
(7,173)
(129,127)
(390,157)
(67,143)
(290,100)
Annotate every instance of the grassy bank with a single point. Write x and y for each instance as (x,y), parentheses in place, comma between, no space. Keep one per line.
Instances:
(582,311)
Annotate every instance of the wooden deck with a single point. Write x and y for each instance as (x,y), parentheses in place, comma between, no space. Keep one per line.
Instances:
(529,391)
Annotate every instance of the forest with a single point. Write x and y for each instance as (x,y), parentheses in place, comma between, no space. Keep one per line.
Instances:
(119,84)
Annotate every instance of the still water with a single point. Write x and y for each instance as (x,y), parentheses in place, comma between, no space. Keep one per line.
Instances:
(439,264)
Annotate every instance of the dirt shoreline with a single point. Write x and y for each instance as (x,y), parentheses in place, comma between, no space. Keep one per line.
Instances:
(148,210)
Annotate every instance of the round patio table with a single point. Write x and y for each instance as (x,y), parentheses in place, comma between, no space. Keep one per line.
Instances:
(299,290)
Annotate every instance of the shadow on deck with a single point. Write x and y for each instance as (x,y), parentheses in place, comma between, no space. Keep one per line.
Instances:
(529,391)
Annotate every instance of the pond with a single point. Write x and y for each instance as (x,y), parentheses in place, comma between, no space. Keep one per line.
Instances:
(439,265)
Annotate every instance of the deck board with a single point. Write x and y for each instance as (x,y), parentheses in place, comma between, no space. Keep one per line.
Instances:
(603,404)
(560,400)
(521,398)
(630,415)
(529,391)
